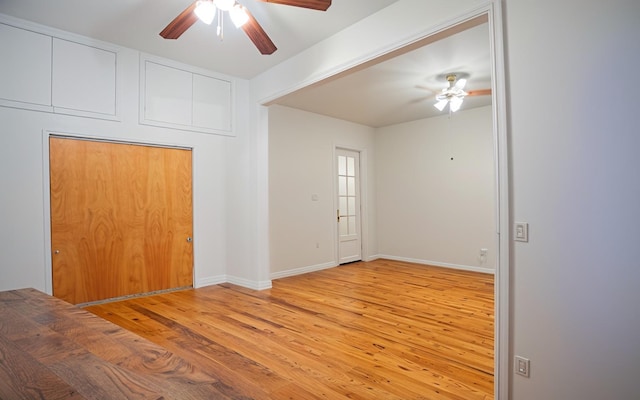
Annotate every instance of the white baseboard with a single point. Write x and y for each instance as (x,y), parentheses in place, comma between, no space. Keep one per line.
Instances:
(210,280)
(372,257)
(262,285)
(216,280)
(249,284)
(483,270)
(302,270)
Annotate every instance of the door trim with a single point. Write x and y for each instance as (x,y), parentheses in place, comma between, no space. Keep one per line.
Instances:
(46,184)
(502,339)
(364,204)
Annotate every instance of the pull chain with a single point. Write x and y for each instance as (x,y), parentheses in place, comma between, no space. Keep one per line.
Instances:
(220,29)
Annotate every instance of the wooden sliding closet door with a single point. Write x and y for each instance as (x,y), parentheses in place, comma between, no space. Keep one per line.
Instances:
(121,219)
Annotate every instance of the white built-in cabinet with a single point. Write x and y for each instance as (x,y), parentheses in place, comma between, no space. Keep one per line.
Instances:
(43,72)
(84,78)
(25,63)
(179,96)
(44,69)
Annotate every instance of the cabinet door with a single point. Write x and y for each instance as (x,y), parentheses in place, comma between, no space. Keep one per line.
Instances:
(211,103)
(179,96)
(168,93)
(26,67)
(84,78)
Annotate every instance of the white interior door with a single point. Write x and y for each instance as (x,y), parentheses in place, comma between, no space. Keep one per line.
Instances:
(348,213)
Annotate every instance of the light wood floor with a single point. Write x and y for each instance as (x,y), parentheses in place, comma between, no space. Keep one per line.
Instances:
(376,330)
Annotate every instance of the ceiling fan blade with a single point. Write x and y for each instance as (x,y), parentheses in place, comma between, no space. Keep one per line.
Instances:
(180,23)
(479,92)
(426,88)
(321,5)
(258,36)
(460,83)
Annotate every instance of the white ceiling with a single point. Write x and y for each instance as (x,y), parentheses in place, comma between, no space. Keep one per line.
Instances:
(137,23)
(403,88)
(396,90)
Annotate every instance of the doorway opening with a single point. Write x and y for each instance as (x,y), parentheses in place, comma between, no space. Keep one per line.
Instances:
(490,13)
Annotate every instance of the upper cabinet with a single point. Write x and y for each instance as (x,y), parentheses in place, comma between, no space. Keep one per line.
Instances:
(84,78)
(26,68)
(44,69)
(44,72)
(178,96)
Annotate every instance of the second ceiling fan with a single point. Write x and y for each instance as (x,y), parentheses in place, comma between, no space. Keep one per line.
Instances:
(453,95)
(205,10)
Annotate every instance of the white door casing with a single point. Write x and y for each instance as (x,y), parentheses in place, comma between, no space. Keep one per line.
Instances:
(348,201)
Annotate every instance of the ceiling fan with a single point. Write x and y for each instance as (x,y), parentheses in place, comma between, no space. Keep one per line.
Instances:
(205,10)
(454,94)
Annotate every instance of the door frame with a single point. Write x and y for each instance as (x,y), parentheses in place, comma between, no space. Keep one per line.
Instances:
(364,205)
(46,183)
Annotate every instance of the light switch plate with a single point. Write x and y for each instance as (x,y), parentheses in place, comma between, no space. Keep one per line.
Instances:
(521,232)
(522,366)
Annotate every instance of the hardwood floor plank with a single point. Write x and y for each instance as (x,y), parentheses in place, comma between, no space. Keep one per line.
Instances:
(382,329)
(249,355)
(390,323)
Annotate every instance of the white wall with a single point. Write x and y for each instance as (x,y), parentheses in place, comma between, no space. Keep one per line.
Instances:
(23,248)
(405,20)
(301,164)
(421,205)
(435,185)
(575,142)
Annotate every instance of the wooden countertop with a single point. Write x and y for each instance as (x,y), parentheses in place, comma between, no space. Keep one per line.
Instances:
(50,349)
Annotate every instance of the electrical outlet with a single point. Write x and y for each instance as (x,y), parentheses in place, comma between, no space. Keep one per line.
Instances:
(522,366)
(483,252)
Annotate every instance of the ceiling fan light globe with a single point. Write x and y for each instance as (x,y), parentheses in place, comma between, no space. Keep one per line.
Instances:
(238,15)
(455,104)
(205,11)
(440,105)
(460,83)
(224,5)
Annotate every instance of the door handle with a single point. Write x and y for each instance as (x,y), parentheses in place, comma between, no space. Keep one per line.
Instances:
(189,239)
